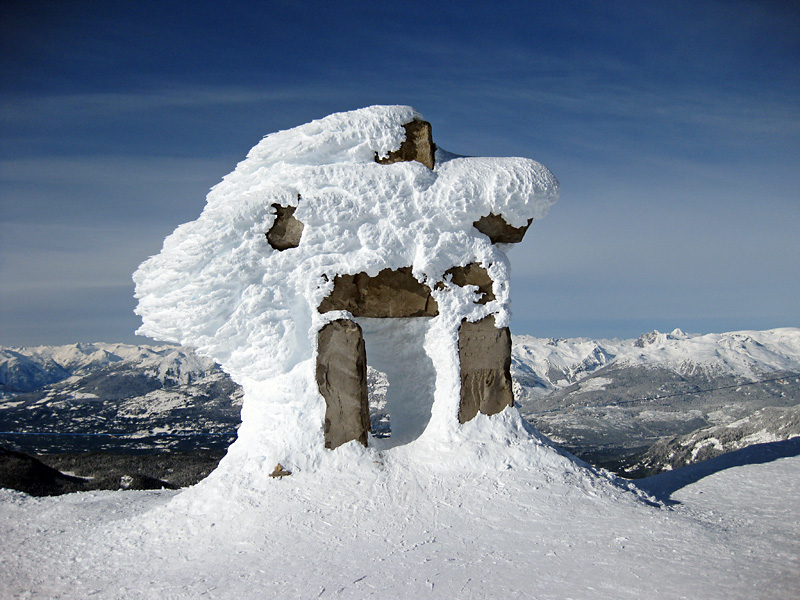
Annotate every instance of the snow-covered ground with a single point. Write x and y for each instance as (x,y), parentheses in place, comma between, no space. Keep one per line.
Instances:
(403,529)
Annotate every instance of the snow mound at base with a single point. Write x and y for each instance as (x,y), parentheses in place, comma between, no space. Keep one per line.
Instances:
(500,456)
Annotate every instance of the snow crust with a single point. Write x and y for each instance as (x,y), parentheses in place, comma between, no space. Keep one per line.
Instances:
(217,284)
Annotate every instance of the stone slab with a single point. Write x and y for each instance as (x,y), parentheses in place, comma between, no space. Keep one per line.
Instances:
(342,379)
(286,231)
(499,231)
(484,352)
(418,146)
(390,293)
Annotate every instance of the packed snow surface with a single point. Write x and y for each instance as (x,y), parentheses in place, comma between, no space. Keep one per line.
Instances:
(550,530)
(219,286)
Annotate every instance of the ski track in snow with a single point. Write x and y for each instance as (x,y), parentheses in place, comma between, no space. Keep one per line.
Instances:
(399,531)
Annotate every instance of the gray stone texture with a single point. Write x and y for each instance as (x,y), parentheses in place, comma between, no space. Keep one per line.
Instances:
(418,146)
(499,231)
(286,230)
(484,352)
(390,293)
(342,381)
(473,274)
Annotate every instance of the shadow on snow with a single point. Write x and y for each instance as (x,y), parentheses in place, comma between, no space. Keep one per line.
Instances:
(663,485)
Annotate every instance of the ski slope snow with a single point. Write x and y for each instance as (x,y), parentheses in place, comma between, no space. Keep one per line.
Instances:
(551,530)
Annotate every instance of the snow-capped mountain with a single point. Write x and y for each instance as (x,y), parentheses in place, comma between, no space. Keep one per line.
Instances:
(609,401)
(655,402)
(114,396)
(28,369)
(19,372)
(557,364)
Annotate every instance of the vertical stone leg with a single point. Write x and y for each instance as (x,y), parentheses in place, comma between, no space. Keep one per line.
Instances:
(484,353)
(342,381)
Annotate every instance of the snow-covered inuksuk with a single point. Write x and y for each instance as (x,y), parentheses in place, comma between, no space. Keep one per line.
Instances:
(351,241)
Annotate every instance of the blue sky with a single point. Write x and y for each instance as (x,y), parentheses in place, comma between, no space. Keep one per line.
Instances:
(674,128)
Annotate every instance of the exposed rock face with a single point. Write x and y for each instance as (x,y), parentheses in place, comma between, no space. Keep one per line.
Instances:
(342,381)
(484,352)
(499,231)
(418,146)
(286,230)
(391,293)
(473,274)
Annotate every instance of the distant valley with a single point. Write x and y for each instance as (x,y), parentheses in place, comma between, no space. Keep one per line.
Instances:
(634,406)
(663,400)
(116,398)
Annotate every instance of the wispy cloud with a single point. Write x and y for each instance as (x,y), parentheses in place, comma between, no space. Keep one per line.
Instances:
(25,107)
(100,168)
(148,193)
(62,256)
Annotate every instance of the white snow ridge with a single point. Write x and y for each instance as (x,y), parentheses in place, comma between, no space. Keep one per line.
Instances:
(483,509)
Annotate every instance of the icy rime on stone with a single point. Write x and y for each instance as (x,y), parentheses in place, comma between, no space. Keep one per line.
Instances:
(484,351)
(286,231)
(377,243)
(418,146)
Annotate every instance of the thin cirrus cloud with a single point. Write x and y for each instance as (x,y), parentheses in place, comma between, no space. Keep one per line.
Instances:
(69,283)
(26,108)
(673,130)
(104,191)
(62,256)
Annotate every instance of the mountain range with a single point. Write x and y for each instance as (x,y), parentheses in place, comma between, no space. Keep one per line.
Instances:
(634,406)
(114,397)
(663,400)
